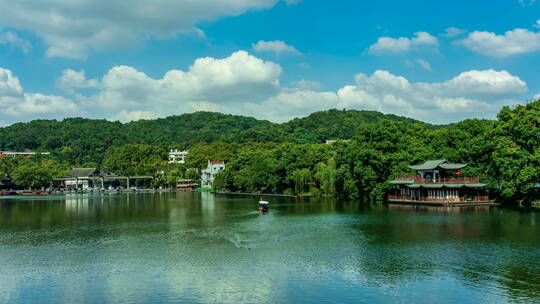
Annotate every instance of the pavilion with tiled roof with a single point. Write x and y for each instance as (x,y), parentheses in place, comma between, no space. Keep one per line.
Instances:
(438,181)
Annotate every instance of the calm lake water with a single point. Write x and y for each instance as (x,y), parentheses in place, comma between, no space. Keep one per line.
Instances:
(201,248)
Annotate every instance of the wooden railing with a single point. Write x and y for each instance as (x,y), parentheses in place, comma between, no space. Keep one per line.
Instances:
(434,199)
(400,197)
(448,180)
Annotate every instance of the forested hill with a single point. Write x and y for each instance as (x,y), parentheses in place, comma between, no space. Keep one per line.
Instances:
(334,124)
(82,140)
(266,157)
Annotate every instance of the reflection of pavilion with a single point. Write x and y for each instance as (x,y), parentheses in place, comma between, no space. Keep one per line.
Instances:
(89,178)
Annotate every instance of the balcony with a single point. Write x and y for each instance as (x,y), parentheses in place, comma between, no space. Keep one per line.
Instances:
(438,200)
(447,180)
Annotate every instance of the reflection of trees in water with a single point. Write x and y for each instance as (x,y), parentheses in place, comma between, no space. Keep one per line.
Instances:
(83,208)
(496,248)
(83,217)
(316,205)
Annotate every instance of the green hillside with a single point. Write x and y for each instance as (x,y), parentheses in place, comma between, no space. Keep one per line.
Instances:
(81,140)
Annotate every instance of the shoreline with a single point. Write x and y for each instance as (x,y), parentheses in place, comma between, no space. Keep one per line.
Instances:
(259,194)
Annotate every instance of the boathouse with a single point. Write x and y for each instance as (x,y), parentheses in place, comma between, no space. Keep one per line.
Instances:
(438,182)
(185,185)
(85,178)
(93,178)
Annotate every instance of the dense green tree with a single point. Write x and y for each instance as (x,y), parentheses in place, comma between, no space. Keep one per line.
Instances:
(515,161)
(136,159)
(7,164)
(35,174)
(291,157)
(301,178)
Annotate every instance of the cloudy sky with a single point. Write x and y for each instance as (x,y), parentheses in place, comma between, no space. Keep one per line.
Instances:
(436,61)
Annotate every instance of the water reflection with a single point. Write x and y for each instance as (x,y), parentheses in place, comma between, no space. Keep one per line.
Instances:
(201,248)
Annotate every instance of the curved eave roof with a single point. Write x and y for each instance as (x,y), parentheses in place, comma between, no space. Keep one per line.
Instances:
(453,166)
(437,163)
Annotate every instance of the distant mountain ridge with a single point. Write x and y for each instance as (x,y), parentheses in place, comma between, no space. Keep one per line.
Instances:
(92,137)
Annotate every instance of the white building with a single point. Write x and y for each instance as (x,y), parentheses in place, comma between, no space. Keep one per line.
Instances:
(178,157)
(21,154)
(208,174)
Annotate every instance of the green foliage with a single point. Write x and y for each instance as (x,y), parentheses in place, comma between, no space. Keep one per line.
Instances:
(326,175)
(301,179)
(515,160)
(81,141)
(503,153)
(37,173)
(290,157)
(130,160)
(7,164)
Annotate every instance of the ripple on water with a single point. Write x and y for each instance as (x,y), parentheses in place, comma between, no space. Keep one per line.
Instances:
(202,249)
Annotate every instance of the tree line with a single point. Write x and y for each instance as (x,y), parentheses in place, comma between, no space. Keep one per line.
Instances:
(291,158)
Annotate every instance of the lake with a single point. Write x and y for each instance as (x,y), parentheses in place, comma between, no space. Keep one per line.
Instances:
(205,248)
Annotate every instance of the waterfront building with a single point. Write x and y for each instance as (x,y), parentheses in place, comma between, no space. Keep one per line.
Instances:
(438,182)
(176,156)
(92,178)
(185,185)
(208,174)
(21,154)
(85,178)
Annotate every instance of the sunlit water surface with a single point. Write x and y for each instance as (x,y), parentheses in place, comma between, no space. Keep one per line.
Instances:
(201,248)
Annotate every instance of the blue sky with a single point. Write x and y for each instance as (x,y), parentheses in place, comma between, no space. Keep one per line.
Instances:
(128,60)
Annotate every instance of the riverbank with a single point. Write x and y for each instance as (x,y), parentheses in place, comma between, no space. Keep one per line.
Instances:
(259,194)
(115,191)
(44,193)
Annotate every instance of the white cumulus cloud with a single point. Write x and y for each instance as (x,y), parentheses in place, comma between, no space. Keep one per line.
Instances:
(277,46)
(72,80)
(244,84)
(208,81)
(514,42)
(71,28)
(14,102)
(389,45)
(470,94)
(485,83)
(9,84)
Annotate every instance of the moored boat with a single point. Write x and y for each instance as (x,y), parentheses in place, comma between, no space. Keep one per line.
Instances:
(38,192)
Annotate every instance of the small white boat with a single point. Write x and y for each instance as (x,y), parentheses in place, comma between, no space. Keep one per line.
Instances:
(263,205)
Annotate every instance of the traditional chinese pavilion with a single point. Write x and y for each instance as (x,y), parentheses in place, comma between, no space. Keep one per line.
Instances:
(438,182)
